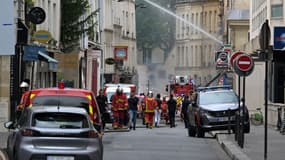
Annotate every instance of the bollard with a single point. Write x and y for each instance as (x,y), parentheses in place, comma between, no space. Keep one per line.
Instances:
(279,121)
(236,127)
(282,130)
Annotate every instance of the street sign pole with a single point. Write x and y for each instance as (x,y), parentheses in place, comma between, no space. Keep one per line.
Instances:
(266,110)
(238,120)
(243,65)
(264,39)
(243,114)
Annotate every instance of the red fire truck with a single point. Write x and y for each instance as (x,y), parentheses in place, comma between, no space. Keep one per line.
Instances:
(181,85)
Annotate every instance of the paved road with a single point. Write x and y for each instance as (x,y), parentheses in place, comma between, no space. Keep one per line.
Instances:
(160,144)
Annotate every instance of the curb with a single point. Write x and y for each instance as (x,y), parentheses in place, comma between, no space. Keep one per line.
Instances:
(230,148)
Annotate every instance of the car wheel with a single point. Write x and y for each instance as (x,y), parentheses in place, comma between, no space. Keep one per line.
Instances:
(191,131)
(200,132)
(247,128)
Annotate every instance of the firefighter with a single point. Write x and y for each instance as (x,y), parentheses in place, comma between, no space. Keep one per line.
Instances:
(119,109)
(164,109)
(171,103)
(150,105)
(102,103)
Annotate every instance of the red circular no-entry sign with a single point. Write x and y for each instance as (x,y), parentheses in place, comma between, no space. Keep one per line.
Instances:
(244,63)
(234,55)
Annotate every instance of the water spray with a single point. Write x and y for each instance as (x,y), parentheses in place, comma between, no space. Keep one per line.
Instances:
(185,21)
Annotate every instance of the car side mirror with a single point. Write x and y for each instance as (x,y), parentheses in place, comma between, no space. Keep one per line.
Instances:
(9,125)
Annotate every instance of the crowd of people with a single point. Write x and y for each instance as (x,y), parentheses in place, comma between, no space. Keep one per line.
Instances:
(152,109)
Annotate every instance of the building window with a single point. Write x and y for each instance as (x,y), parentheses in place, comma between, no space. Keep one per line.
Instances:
(192,30)
(187,57)
(147,56)
(277,11)
(177,56)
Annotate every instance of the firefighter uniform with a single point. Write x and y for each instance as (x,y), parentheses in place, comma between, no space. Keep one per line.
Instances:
(164,113)
(120,106)
(150,105)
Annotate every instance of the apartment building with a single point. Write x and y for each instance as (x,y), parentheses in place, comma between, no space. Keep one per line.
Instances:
(118,39)
(198,38)
(273,11)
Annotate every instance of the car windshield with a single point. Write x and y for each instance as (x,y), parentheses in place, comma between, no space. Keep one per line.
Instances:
(74,101)
(60,120)
(217,97)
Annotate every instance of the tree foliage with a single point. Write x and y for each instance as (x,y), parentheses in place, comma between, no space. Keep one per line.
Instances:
(155,28)
(75,23)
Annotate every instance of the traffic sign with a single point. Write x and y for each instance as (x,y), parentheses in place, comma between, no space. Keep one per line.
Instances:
(234,55)
(42,36)
(223,56)
(243,65)
(264,36)
(244,62)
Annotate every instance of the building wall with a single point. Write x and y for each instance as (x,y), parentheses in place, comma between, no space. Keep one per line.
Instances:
(52,23)
(119,30)
(194,48)
(4,90)
(68,67)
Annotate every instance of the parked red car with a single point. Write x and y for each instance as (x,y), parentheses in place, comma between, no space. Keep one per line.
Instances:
(60,96)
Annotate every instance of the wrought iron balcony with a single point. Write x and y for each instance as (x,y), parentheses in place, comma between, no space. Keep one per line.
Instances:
(188,1)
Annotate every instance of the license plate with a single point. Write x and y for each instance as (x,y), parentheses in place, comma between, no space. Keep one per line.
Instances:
(222,119)
(60,158)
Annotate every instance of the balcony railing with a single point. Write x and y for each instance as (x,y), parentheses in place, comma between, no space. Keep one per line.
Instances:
(187,1)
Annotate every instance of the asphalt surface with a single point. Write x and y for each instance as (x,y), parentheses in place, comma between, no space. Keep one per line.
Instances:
(173,143)
(162,143)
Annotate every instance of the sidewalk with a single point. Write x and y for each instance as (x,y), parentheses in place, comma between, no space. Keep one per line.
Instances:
(254,145)
(3,139)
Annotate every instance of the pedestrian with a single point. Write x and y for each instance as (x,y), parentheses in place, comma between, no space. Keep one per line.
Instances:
(171,105)
(185,104)
(150,105)
(157,111)
(102,103)
(119,107)
(164,110)
(133,109)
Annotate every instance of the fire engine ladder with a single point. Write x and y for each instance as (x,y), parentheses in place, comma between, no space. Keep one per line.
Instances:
(219,75)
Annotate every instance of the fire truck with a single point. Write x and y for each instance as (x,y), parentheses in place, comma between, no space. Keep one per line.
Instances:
(181,85)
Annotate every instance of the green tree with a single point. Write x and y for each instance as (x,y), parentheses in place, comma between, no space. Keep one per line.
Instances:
(75,23)
(155,28)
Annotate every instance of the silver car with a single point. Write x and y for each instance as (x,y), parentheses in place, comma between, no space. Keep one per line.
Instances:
(54,133)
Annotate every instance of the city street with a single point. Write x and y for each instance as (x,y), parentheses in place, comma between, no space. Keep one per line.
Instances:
(162,143)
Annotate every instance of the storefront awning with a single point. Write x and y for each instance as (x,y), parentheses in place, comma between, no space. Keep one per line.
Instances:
(52,63)
(47,58)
